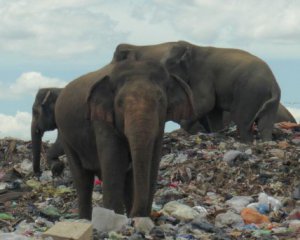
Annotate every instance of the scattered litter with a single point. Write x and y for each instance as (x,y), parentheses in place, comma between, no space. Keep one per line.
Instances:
(70,230)
(250,215)
(209,186)
(105,220)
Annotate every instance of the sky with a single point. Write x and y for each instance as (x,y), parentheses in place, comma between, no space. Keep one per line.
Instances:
(50,43)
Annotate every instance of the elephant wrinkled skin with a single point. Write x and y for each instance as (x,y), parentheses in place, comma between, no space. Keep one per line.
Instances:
(221,80)
(43,119)
(111,123)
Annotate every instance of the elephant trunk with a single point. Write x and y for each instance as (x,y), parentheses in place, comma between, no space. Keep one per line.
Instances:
(36,138)
(141,130)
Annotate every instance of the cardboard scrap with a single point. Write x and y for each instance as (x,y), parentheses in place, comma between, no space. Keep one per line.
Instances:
(70,231)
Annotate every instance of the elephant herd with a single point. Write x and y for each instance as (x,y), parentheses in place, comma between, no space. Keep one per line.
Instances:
(111,122)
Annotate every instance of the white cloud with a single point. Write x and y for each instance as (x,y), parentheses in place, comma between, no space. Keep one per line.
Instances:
(76,27)
(28,84)
(15,126)
(31,81)
(295,112)
(253,25)
(56,28)
(18,126)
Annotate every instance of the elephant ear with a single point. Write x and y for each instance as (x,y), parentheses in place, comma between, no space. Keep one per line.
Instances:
(124,52)
(100,101)
(178,61)
(46,98)
(180,100)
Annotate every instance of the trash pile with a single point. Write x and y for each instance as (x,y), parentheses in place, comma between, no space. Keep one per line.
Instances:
(210,186)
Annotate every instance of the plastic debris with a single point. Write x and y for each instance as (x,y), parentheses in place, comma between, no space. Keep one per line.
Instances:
(263,208)
(33,184)
(143,224)
(271,201)
(261,232)
(106,220)
(296,192)
(25,167)
(180,211)
(213,176)
(12,236)
(229,219)
(294,225)
(51,212)
(239,202)
(250,215)
(5,216)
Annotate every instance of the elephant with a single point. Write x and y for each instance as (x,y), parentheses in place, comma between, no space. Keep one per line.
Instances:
(206,126)
(43,119)
(221,79)
(284,115)
(111,123)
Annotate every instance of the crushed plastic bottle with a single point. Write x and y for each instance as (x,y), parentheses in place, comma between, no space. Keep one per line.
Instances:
(275,204)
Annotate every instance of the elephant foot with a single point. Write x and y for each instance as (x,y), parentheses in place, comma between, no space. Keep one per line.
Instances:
(57,168)
(143,224)
(37,173)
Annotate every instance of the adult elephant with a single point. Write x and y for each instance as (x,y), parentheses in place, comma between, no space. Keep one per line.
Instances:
(284,115)
(111,123)
(207,126)
(43,119)
(221,79)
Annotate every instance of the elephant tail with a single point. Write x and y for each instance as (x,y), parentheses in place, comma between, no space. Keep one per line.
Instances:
(270,106)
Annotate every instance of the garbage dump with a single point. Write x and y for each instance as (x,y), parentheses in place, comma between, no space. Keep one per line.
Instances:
(210,186)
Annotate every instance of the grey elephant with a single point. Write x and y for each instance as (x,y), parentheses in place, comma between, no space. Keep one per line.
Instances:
(284,115)
(221,80)
(206,126)
(43,119)
(111,123)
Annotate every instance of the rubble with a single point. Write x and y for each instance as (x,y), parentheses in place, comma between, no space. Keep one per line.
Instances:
(210,186)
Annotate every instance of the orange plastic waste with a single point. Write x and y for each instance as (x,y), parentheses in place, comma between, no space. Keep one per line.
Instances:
(250,215)
(288,125)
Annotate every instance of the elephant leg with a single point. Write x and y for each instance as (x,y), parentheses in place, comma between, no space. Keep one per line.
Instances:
(215,120)
(53,155)
(113,155)
(192,127)
(154,171)
(83,182)
(128,192)
(265,125)
(244,123)
(204,121)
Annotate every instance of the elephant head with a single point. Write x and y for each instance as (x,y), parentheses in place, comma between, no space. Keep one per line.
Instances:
(136,99)
(175,56)
(178,95)
(43,119)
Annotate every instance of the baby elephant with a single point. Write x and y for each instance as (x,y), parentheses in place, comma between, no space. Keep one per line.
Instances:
(43,119)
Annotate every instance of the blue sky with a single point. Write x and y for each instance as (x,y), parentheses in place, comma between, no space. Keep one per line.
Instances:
(49,43)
